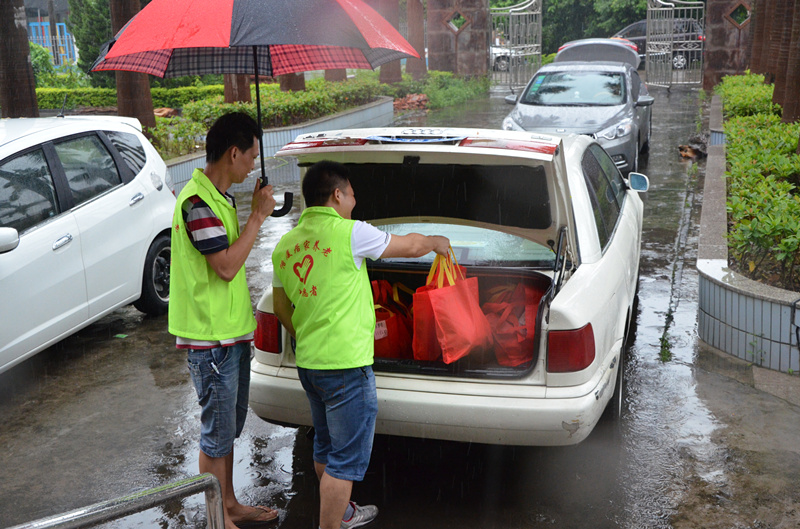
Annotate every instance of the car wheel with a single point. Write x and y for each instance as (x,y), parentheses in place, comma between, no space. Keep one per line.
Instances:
(679,61)
(155,279)
(501,64)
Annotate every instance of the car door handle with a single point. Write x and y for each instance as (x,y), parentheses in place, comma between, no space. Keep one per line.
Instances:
(62,241)
(136,198)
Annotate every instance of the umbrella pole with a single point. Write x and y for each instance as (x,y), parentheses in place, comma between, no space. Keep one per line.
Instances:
(287,196)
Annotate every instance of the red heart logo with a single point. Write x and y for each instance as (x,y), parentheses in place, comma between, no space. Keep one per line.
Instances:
(298,268)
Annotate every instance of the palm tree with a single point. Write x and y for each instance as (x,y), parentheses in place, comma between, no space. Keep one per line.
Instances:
(791,102)
(782,62)
(17,85)
(133,89)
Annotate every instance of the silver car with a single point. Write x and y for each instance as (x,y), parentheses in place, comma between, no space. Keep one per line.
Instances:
(591,88)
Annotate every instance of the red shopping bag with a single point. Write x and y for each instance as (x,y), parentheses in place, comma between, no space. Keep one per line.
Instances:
(392,321)
(448,320)
(511,312)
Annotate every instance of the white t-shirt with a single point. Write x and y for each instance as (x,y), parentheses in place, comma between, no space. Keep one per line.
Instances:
(367,241)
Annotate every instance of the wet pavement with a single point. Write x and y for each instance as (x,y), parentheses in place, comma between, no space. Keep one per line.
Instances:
(110,411)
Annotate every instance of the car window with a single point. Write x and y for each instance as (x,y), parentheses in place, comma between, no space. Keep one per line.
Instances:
(27,193)
(506,195)
(610,170)
(478,246)
(130,148)
(89,167)
(603,196)
(577,88)
(636,30)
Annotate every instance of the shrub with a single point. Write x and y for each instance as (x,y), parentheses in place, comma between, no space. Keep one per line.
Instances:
(763,197)
(746,95)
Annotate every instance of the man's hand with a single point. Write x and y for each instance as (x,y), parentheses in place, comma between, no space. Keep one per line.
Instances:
(263,203)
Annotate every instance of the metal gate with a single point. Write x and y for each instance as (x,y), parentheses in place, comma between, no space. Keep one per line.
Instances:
(515,50)
(675,42)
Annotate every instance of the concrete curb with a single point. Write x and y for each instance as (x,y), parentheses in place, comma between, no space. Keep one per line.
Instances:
(751,326)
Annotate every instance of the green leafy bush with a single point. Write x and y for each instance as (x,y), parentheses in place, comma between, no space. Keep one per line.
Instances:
(746,95)
(764,196)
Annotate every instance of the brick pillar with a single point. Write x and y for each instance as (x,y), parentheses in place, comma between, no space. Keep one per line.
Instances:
(727,49)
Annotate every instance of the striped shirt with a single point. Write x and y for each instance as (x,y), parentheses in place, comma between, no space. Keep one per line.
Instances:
(208,236)
(205,229)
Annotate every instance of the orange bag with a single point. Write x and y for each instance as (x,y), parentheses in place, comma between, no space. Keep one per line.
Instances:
(511,312)
(448,320)
(392,321)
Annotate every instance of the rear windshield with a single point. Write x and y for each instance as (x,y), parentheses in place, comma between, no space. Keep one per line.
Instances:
(514,196)
(475,246)
(576,89)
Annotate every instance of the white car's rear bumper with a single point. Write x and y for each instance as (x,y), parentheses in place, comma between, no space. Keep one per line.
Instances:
(407,410)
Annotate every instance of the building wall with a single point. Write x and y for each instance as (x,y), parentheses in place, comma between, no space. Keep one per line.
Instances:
(727,45)
(463,51)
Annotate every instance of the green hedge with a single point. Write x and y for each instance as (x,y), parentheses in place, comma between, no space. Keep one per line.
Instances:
(763,180)
(746,95)
(53,98)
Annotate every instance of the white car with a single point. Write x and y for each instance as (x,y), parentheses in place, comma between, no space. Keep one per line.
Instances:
(551,213)
(85,216)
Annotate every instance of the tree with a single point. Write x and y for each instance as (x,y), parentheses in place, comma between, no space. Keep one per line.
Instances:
(237,88)
(782,63)
(17,85)
(90,24)
(791,102)
(758,25)
(133,89)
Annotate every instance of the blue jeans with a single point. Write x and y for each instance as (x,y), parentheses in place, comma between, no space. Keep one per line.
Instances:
(221,377)
(344,405)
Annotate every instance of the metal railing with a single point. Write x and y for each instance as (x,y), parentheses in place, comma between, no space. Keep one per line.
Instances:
(137,502)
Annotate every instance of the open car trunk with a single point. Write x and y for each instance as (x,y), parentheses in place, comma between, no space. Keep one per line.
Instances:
(515,323)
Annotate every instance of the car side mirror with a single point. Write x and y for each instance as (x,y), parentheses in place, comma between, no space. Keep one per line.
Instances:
(9,239)
(638,182)
(512,99)
(645,101)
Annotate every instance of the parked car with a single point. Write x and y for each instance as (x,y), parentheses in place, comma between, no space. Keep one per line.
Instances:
(85,215)
(500,58)
(592,87)
(688,37)
(548,214)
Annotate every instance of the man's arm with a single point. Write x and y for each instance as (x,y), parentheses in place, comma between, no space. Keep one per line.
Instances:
(227,263)
(415,245)
(283,309)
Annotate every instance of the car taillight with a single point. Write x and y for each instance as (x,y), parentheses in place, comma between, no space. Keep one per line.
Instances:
(268,333)
(701,37)
(569,351)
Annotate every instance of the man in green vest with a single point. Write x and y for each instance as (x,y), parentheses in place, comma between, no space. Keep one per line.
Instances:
(322,296)
(210,311)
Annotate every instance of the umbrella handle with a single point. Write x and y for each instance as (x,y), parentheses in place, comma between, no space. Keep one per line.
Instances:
(288,198)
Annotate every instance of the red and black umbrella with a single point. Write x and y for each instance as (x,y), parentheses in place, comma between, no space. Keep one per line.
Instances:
(173,38)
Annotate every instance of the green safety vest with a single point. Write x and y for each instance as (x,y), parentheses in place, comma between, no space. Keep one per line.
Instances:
(334,316)
(202,306)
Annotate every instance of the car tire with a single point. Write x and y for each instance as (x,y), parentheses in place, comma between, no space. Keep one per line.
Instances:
(501,64)
(679,61)
(155,278)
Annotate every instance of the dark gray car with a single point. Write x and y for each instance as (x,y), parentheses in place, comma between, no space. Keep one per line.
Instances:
(600,98)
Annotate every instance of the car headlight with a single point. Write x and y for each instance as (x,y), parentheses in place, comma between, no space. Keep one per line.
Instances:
(510,124)
(623,128)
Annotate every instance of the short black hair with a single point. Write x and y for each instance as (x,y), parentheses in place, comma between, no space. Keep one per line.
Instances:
(322,179)
(232,129)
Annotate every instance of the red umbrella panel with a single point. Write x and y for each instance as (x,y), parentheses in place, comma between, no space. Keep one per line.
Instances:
(172,38)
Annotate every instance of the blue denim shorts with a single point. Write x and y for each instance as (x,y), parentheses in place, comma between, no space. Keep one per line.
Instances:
(344,405)
(221,377)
